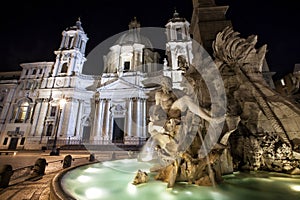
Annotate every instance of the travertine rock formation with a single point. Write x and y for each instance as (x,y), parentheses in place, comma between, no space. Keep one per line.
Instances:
(269,124)
(140,177)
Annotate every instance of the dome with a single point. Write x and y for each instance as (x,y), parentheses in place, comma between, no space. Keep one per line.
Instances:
(133,36)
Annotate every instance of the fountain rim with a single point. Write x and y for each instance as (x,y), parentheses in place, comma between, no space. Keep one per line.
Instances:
(56,190)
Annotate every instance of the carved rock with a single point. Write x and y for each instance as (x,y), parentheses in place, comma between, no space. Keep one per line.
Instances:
(140,177)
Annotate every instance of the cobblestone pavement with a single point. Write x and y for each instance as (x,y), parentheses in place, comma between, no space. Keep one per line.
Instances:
(21,189)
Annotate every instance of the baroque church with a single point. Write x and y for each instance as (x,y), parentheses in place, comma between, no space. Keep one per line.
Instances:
(49,100)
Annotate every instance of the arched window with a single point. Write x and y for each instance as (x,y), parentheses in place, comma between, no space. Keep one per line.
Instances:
(33,71)
(179,33)
(182,63)
(22,112)
(64,68)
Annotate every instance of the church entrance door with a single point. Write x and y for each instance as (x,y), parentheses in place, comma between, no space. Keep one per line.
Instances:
(118,130)
(13,143)
(86,134)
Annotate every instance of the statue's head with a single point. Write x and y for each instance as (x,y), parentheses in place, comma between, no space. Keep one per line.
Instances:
(166,83)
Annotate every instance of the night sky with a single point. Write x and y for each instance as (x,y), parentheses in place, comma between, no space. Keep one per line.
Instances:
(31,30)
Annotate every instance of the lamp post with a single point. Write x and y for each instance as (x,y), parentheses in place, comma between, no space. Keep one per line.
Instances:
(54,151)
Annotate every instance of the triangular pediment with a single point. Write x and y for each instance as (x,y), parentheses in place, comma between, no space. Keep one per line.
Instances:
(117,85)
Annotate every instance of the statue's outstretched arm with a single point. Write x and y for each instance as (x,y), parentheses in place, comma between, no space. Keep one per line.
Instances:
(186,102)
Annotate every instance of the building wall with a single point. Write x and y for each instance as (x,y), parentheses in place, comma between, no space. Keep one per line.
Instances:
(36,86)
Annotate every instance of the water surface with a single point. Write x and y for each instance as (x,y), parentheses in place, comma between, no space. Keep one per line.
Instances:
(112,180)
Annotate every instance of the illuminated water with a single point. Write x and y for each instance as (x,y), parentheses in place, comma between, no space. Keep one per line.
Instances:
(112,181)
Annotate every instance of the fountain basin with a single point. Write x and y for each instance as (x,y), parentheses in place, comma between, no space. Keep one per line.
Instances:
(113,180)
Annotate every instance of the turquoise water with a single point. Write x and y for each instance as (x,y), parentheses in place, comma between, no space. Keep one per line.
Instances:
(112,181)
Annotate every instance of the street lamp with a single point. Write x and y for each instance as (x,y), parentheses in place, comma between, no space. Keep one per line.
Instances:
(54,151)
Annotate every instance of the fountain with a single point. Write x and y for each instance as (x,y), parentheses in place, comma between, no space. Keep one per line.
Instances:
(200,149)
(113,180)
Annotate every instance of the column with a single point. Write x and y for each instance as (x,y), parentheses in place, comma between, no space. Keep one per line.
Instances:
(63,122)
(144,126)
(78,123)
(107,122)
(63,41)
(98,120)
(4,112)
(129,118)
(76,40)
(42,116)
(36,116)
(138,118)
(70,116)
(101,116)
(55,69)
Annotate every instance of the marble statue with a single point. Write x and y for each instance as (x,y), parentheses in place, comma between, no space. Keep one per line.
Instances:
(260,125)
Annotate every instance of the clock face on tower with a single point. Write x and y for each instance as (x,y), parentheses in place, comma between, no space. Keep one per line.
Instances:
(59,82)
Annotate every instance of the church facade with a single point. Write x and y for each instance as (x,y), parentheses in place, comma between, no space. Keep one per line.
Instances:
(111,108)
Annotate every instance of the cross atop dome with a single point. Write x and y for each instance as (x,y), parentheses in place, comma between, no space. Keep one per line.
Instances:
(176,17)
(175,14)
(134,24)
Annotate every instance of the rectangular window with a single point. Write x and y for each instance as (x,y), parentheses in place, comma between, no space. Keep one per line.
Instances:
(71,41)
(53,111)
(22,141)
(126,66)
(49,130)
(5,141)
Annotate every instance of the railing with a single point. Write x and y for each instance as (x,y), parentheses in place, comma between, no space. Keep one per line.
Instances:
(69,141)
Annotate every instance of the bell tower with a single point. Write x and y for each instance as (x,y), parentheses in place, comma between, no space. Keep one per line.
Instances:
(178,48)
(70,55)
